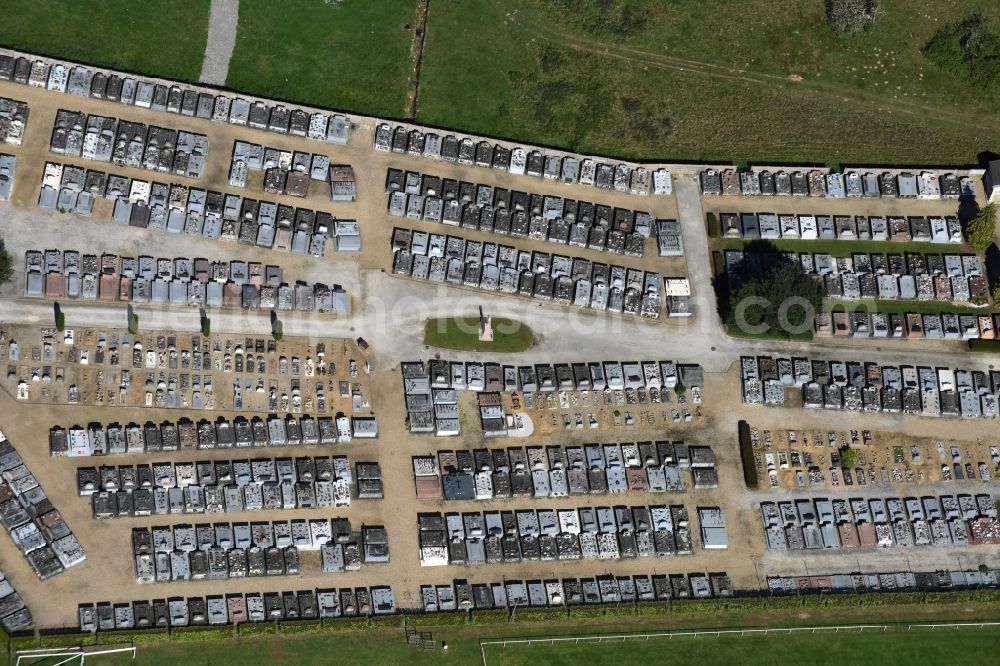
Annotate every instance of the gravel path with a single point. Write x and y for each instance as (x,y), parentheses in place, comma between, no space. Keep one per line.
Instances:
(221,39)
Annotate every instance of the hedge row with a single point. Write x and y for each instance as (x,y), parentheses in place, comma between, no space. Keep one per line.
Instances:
(132,637)
(346,624)
(436,619)
(385,621)
(258,629)
(492,616)
(541,614)
(746,456)
(300,627)
(203,633)
(23,643)
(586,611)
(714,228)
(59,640)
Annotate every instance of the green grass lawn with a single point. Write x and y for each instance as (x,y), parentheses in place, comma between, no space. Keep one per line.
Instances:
(370,647)
(892,648)
(735,332)
(462,334)
(640,79)
(374,647)
(694,82)
(350,55)
(156,37)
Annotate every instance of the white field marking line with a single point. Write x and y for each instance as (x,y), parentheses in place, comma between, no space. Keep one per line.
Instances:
(68,659)
(600,638)
(70,653)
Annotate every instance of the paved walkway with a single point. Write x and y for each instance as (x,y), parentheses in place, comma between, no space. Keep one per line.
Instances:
(695,238)
(221,39)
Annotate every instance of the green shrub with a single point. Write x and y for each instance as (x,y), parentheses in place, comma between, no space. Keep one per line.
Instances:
(986,346)
(441,619)
(257,629)
(969,51)
(714,227)
(206,327)
(141,636)
(345,624)
(23,643)
(132,636)
(622,609)
(718,264)
(299,627)
(783,301)
(980,230)
(202,633)
(492,616)
(66,640)
(389,621)
(995,293)
(983,596)
(694,606)
(60,321)
(776,603)
(652,608)
(133,325)
(6,265)
(278,330)
(746,456)
(743,604)
(587,611)
(545,614)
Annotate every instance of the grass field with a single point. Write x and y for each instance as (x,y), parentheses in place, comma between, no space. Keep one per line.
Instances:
(349,55)
(777,86)
(157,37)
(462,334)
(685,80)
(891,648)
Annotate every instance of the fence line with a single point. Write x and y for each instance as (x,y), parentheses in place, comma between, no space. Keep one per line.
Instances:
(600,638)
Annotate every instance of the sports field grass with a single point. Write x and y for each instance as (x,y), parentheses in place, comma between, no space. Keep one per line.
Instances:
(351,642)
(155,37)
(349,55)
(895,647)
(462,334)
(965,647)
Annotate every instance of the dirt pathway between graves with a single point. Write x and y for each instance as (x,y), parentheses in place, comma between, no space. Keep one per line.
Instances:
(222,21)
(661,61)
(417,53)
